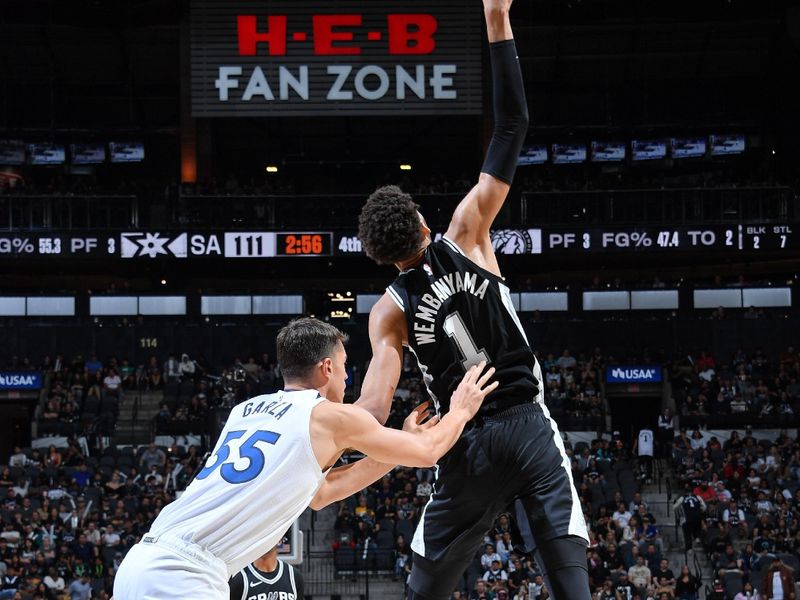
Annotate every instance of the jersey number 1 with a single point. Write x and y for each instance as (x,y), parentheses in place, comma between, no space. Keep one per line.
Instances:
(455,328)
(247,450)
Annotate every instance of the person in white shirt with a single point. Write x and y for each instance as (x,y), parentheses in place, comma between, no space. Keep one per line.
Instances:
(697,440)
(621,516)
(18,459)
(172,371)
(489,556)
(186,367)
(110,538)
(111,384)
(273,459)
(54,581)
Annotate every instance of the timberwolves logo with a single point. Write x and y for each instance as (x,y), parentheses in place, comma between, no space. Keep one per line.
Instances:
(517,241)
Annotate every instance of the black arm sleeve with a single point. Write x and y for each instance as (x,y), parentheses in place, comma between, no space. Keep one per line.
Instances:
(236,584)
(510,112)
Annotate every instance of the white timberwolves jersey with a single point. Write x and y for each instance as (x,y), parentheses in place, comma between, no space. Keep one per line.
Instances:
(646,442)
(261,476)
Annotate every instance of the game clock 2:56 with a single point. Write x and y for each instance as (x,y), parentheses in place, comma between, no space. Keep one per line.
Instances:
(303,244)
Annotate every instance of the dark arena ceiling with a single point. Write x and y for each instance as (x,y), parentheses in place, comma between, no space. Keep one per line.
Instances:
(102,64)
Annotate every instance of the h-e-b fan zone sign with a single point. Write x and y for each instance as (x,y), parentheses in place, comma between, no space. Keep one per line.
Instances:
(295,58)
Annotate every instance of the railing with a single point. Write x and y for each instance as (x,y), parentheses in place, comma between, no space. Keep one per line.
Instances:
(600,207)
(74,212)
(676,206)
(137,400)
(347,571)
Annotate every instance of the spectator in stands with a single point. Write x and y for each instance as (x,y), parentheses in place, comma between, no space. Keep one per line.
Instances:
(93,365)
(127,374)
(172,373)
(489,556)
(778,582)
(402,556)
(186,367)
(666,431)
(111,384)
(686,585)
(480,592)
(154,376)
(54,582)
(640,575)
(734,517)
(566,361)
(152,456)
(748,593)
(495,573)
(81,589)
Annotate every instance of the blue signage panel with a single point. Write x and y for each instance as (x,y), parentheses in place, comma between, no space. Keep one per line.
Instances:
(633,374)
(20,380)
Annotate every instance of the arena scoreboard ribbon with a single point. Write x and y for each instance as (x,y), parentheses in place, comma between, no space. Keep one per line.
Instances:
(735,239)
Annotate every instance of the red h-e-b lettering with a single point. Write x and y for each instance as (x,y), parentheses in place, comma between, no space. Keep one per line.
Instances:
(274,36)
(412,33)
(325,35)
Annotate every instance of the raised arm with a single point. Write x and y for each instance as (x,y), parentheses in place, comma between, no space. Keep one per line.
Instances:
(387,331)
(346,480)
(335,427)
(473,217)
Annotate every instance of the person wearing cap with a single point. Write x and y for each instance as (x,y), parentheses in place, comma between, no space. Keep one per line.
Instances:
(778,582)
(624,587)
(495,573)
(723,495)
(734,517)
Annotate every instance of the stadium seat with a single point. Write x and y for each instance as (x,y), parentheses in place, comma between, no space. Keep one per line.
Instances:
(733,583)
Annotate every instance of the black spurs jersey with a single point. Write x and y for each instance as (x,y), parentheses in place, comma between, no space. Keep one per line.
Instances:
(284,583)
(458,314)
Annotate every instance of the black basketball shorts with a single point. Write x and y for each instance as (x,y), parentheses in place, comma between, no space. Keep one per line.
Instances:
(513,459)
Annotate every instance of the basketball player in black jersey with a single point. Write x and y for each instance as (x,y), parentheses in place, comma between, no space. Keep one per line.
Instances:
(451,308)
(268,578)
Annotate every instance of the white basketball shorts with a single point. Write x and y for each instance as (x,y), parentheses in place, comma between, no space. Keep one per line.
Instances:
(164,568)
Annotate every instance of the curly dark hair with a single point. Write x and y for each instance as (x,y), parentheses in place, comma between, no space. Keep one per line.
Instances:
(389,226)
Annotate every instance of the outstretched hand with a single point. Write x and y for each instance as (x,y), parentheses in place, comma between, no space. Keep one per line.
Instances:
(473,388)
(416,422)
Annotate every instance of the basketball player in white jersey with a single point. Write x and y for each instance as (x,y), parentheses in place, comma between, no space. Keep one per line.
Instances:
(272,460)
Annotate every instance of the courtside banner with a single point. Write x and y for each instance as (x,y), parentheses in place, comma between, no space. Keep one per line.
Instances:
(633,374)
(297,58)
(20,380)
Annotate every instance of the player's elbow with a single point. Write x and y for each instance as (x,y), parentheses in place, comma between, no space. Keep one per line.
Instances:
(521,122)
(427,458)
(377,409)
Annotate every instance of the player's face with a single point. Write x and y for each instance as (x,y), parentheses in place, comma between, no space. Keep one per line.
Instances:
(426,231)
(338,374)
